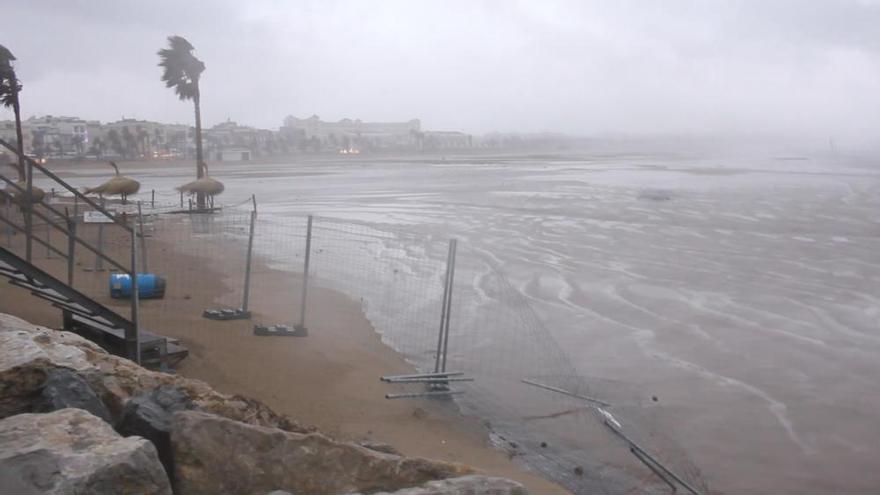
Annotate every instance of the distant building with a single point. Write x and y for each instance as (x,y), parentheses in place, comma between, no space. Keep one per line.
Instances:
(233,154)
(57,136)
(133,138)
(348,133)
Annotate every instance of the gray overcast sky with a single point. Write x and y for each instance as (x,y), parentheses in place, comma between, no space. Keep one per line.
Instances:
(667,66)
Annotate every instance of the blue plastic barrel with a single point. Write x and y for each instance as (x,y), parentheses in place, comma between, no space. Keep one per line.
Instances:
(150,286)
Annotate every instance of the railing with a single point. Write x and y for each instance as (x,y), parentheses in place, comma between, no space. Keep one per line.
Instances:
(28,208)
(62,221)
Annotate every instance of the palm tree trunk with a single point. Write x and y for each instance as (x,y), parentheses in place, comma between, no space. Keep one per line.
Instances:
(29,177)
(19,139)
(200,198)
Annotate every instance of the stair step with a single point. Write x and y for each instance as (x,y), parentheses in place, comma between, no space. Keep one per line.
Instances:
(26,284)
(146,337)
(95,320)
(9,272)
(74,308)
(52,298)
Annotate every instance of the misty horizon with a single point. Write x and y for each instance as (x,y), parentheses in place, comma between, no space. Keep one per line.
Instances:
(781,68)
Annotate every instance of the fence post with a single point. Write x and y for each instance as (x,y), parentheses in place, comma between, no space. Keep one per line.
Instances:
(132,335)
(247,268)
(99,260)
(28,206)
(143,240)
(453,246)
(7,226)
(305,284)
(152,199)
(181,199)
(71,246)
(443,333)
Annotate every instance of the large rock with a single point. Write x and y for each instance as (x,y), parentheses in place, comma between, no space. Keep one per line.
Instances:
(65,388)
(149,416)
(465,485)
(72,451)
(215,455)
(29,353)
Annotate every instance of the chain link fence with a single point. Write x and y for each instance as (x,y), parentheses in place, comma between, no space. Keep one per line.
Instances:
(510,372)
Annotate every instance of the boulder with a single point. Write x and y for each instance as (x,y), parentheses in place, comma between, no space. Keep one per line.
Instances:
(64,388)
(28,354)
(149,416)
(73,451)
(216,455)
(465,485)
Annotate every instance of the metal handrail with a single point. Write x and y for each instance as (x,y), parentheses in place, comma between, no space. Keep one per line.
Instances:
(67,186)
(24,191)
(67,232)
(40,241)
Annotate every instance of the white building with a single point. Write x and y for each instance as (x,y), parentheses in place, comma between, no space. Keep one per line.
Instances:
(57,136)
(232,154)
(348,133)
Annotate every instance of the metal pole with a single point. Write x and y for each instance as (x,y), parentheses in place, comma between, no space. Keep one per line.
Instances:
(247,267)
(453,245)
(181,199)
(144,266)
(443,309)
(8,227)
(132,335)
(390,378)
(305,285)
(71,245)
(99,260)
(565,392)
(28,205)
(423,394)
(48,240)
(152,199)
(75,207)
(444,380)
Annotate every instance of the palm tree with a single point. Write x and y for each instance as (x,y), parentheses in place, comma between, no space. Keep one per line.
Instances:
(129,142)
(181,71)
(9,88)
(97,147)
(115,142)
(143,138)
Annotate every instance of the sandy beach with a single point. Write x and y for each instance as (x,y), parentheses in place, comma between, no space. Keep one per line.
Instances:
(329,380)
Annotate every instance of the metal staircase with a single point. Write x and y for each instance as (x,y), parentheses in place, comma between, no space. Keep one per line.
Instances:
(89,318)
(81,313)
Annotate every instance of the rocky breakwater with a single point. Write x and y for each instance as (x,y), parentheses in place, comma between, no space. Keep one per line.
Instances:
(75,419)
